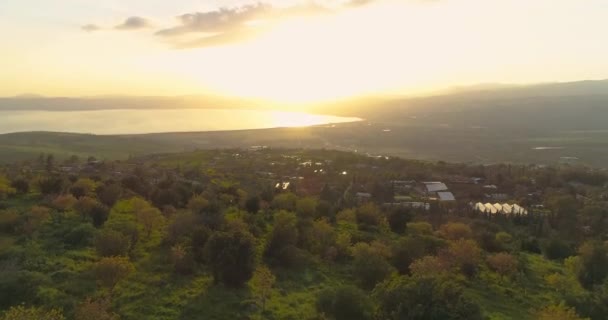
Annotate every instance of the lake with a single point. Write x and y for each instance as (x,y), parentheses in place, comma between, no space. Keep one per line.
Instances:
(136,121)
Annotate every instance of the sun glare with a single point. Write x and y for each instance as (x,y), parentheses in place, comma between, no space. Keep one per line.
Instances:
(301,119)
(305,59)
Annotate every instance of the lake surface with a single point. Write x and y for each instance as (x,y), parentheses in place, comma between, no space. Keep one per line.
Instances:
(134,121)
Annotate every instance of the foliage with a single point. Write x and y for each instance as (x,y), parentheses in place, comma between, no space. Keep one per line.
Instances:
(424,298)
(261,285)
(370,265)
(32,313)
(345,303)
(110,270)
(557,312)
(95,310)
(231,256)
(503,263)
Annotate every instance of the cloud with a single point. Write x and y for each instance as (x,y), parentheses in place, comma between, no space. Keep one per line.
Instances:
(227,25)
(90,27)
(133,23)
(358,3)
(221,20)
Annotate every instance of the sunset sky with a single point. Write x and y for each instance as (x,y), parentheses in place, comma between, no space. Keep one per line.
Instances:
(295,51)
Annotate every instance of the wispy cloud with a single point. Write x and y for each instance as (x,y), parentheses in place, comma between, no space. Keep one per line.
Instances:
(227,25)
(231,24)
(133,23)
(90,27)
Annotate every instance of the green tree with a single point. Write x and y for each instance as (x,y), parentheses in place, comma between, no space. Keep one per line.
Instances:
(503,263)
(231,256)
(111,270)
(5,187)
(424,298)
(82,187)
(112,243)
(282,239)
(455,231)
(370,265)
(594,263)
(261,285)
(306,207)
(285,201)
(345,303)
(398,219)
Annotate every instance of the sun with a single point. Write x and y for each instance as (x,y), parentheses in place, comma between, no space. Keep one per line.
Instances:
(305,59)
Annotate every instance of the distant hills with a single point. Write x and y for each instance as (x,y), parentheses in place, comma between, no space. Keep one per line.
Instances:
(558,106)
(546,123)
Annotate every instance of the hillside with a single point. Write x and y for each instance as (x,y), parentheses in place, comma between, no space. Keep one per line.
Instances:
(298,234)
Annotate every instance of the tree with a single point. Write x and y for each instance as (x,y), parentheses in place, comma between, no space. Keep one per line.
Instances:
(98,309)
(197,204)
(32,313)
(231,256)
(285,201)
(306,207)
(557,312)
(594,263)
(111,270)
(90,208)
(252,205)
(503,263)
(261,285)
(64,202)
(21,185)
(428,266)
(5,187)
(109,194)
(462,255)
(50,185)
(503,239)
(398,219)
(150,218)
(82,187)
(424,298)
(557,249)
(345,303)
(50,162)
(370,266)
(99,214)
(282,239)
(112,243)
(369,215)
(420,228)
(405,251)
(181,260)
(322,237)
(455,231)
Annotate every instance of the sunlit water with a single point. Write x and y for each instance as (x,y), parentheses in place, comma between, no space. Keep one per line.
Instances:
(149,121)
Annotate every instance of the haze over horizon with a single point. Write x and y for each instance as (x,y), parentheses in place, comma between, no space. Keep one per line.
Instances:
(295,51)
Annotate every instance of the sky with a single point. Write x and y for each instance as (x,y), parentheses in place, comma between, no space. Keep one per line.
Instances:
(295,51)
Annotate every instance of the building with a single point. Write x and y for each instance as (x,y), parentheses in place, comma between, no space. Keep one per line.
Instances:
(500,208)
(445,196)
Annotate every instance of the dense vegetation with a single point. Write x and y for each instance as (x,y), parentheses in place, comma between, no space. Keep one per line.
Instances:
(285,234)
